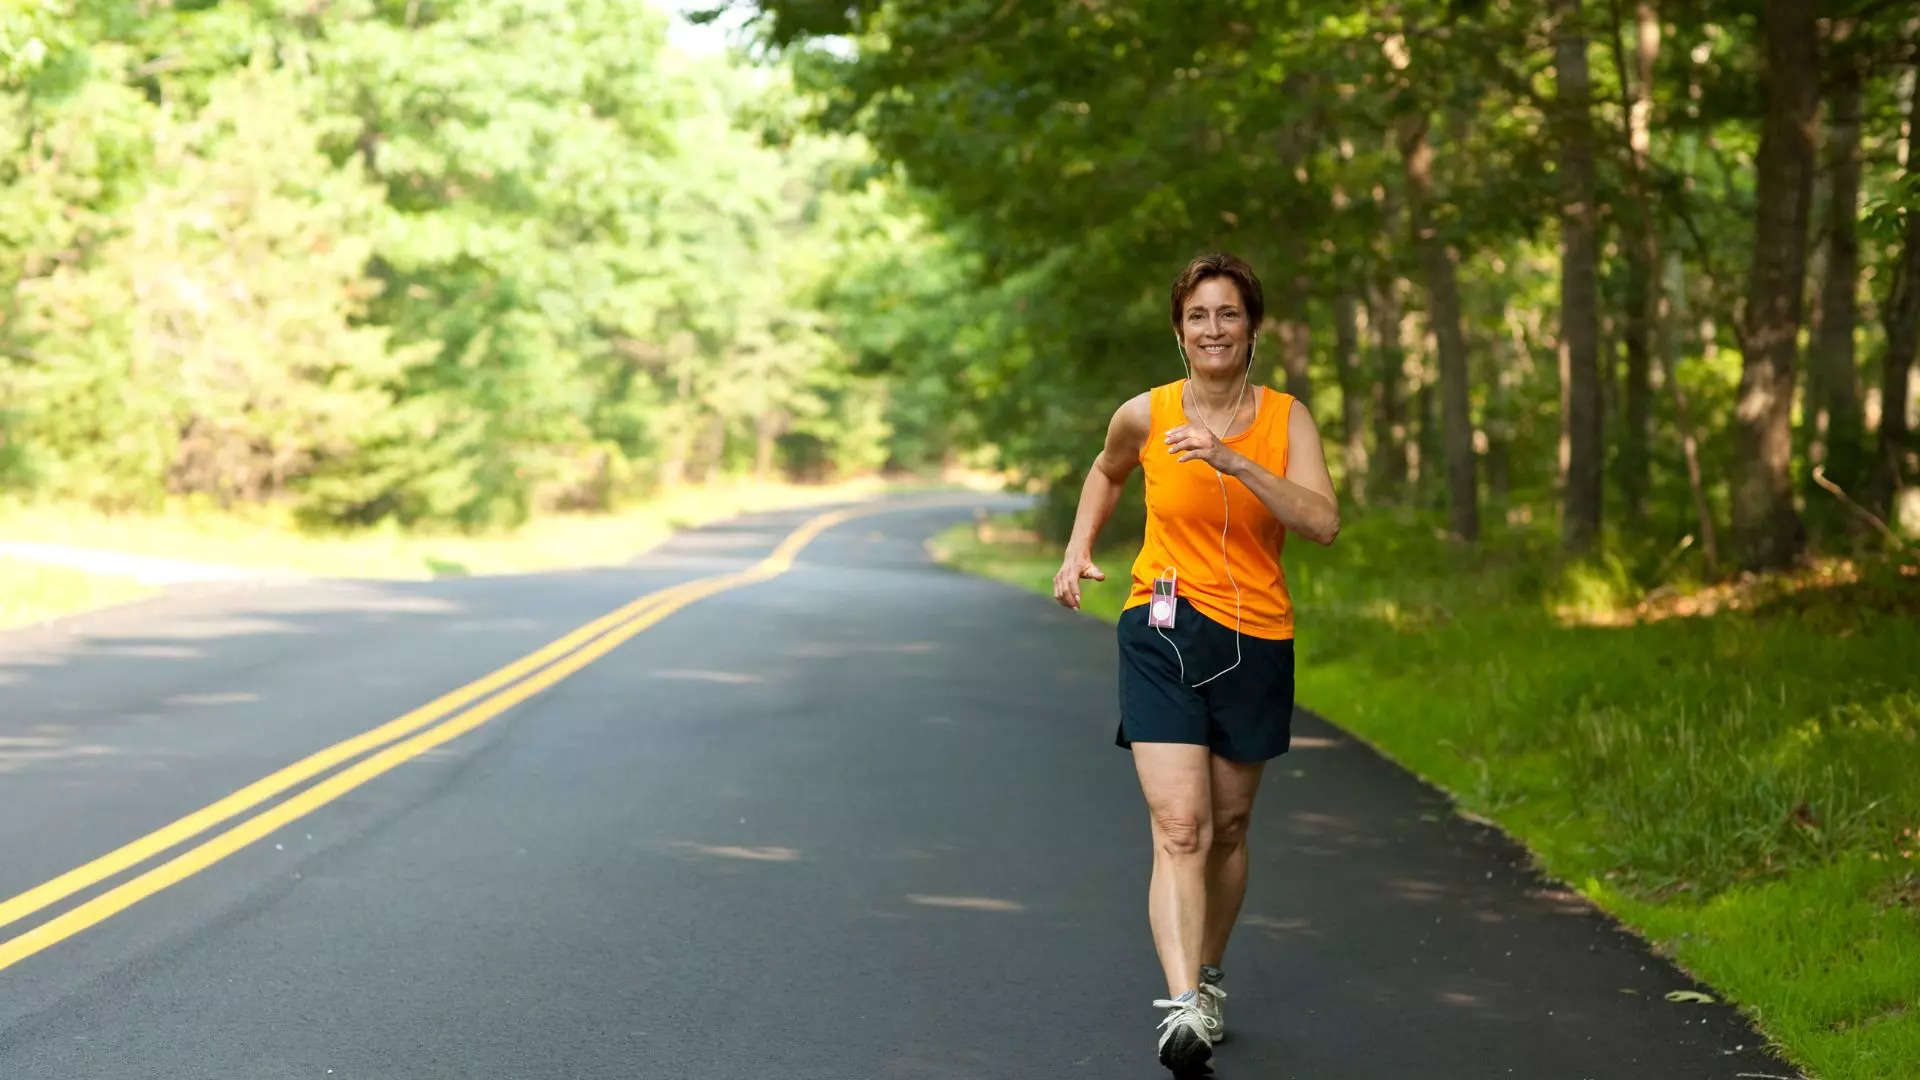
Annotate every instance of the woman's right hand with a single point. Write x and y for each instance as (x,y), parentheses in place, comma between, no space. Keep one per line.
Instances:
(1066,583)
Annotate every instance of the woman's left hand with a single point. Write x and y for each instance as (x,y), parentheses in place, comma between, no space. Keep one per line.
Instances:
(1192,441)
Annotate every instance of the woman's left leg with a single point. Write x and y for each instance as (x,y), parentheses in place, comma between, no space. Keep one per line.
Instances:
(1234,785)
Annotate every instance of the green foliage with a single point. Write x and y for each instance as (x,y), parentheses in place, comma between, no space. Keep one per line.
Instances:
(204,342)
(448,263)
(1074,156)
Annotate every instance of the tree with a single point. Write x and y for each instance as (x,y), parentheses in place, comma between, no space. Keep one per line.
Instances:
(1579,289)
(1766,527)
(1437,261)
(209,346)
(1389,422)
(1833,410)
(1641,231)
(492,257)
(1894,467)
(1294,333)
(1353,395)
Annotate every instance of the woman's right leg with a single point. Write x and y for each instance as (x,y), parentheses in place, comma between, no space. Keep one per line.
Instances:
(1175,778)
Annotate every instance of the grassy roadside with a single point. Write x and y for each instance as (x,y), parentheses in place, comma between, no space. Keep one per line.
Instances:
(31,593)
(1735,774)
(266,540)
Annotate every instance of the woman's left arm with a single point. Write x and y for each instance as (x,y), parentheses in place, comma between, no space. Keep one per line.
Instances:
(1303,499)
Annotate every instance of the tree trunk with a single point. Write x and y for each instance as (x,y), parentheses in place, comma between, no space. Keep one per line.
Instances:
(1669,349)
(677,442)
(1463,508)
(1424,467)
(1833,393)
(1766,528)
(1893,464)
(1389,459)
(1641,241)
(1579,285)
(1353,393)
(709,450)
(1295,335)
(767,429)
(1389,478)
(1497,426)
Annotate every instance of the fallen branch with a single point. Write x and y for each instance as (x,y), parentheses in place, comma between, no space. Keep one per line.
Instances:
(1820,477)
(1685,543)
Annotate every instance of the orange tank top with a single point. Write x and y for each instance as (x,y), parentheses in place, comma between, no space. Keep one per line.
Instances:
(1184,517)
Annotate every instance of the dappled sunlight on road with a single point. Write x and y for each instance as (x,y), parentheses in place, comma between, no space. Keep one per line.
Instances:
(206,628)
(1417,891)
(151,651)
(966,903)
(697,675)
(199,700)
(200,624)
(1314,742)
(842,650)
(1331,828)
(735,851)
(19,751)
(1280,927)
(486,626)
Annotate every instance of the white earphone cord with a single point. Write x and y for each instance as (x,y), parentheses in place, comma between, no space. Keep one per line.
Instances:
(1226,519)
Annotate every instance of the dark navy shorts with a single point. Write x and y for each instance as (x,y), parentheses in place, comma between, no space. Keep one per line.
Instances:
(1245,715)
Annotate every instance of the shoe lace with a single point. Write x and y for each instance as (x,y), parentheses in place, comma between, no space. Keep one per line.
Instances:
(1188,1011)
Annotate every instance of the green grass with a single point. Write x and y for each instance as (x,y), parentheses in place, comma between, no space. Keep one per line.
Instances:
(266,538)
(31,593)
(1741,786)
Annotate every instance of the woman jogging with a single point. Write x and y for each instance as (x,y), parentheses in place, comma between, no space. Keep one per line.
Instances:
(1206,638)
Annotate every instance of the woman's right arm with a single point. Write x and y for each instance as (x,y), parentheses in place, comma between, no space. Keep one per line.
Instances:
(1126,435)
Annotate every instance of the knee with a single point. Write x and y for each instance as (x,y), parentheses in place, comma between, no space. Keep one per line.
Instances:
(1229,831)
(1182,834)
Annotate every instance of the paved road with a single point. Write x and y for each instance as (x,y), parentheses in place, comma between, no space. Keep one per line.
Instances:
(859,820)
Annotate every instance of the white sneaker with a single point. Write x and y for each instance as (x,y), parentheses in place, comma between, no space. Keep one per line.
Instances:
(1185,1041)
(1209,998)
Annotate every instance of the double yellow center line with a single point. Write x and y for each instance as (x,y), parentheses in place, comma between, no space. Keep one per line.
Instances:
(494,693)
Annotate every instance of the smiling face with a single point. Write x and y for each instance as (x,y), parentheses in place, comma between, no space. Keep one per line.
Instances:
(1214,328)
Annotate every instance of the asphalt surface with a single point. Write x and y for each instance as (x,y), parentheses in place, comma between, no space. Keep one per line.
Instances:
(861,820)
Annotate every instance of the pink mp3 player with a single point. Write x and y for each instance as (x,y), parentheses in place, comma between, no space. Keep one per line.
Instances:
(1160,608)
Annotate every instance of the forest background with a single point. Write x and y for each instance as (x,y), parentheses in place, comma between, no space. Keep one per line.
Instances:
(1608,313)
(459,263)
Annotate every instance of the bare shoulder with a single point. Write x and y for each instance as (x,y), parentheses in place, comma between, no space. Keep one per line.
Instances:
(1306,457)
(1134,416)
(1126,437)
(1300,423)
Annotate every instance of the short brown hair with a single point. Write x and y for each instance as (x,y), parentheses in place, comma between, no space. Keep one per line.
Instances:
(1220,264)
